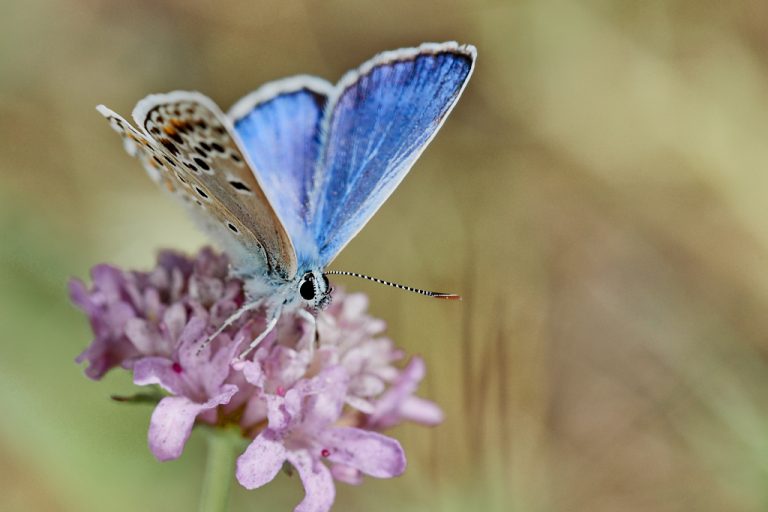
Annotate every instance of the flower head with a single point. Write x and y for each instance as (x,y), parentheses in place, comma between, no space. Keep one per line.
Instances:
(303,429)
(137,314)
(320,409)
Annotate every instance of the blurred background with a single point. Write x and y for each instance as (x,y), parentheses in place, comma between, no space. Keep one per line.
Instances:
(598,197)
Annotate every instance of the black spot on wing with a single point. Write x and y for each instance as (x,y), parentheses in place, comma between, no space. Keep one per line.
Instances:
(202,164)
(239,186)
(201,192)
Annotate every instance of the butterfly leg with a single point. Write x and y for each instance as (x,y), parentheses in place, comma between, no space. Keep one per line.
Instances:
(270,326)
(309,317)
(231,320)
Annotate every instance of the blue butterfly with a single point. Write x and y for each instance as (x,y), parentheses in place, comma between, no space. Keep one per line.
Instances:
(295,170)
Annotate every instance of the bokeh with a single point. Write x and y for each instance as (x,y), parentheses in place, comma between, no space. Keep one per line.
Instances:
(597,196)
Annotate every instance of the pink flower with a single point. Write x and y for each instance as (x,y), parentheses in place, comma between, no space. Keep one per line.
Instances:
(349,337)
(397,404)
(135,314)
(109,307)
(321,409)
(302,430)
(198,383)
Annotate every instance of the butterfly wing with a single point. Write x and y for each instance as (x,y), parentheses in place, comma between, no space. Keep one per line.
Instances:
(279,126)
(186,144)
(379,120)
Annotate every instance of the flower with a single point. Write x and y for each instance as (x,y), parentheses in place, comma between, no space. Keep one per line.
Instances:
(197,381)
(135,314)
(319,408)
(397,404)
(303,430)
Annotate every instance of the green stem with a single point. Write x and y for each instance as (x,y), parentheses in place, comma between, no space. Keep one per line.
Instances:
(218,470)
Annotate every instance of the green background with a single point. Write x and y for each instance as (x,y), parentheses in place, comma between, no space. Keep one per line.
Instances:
(597,196)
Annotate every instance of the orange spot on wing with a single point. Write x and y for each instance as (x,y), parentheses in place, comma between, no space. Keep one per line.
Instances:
(179,124)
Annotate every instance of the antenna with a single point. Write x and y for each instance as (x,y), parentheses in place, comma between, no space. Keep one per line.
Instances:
(435,295)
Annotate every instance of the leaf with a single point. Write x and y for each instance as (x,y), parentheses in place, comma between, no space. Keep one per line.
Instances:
(153,396)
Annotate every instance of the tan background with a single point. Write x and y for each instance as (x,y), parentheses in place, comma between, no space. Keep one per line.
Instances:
(598,196)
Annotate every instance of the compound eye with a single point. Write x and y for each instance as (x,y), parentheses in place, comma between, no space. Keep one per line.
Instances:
(327,284)
(307,290)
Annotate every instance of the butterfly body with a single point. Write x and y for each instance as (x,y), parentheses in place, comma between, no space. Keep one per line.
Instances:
(296,169)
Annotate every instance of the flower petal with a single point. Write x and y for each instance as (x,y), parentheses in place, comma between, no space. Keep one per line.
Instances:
(171,425)
(79,296)
(157,370)
(318,484)
(174,320)
(284,366)
(138,332)
(261,461)
(326,393)
(372,453)
(354,306)
(251,371)
(255,411)
(283,412)
(105,353)
(172,422)
(397,403)
(193,333)
(109,280)
(360,404)
(346,474)
(421,411)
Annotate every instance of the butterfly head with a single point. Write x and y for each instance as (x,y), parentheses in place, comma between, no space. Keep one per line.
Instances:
(315,290)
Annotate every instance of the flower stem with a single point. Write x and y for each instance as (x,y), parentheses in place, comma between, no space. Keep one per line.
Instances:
(218,470)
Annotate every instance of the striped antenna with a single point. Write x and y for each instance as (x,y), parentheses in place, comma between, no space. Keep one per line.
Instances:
(435,295)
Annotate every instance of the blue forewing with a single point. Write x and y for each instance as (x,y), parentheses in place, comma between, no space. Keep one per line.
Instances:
(279,125)
(328,157)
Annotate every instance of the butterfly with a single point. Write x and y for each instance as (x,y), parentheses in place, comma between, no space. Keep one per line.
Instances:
(295,169)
